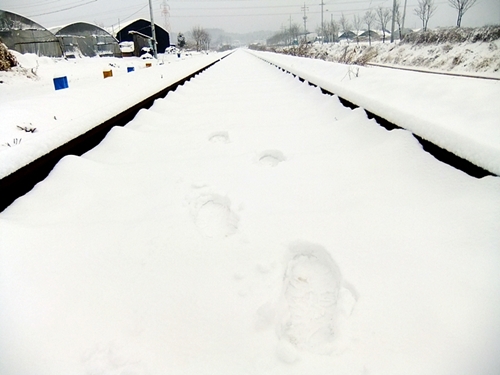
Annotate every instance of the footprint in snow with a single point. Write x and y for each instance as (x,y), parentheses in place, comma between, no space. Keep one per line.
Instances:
(112,358)
(312,297)
(214,217)
(270,158)
(219,137)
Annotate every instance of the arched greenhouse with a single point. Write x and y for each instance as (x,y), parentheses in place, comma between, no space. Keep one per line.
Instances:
(85,39)
(26,36)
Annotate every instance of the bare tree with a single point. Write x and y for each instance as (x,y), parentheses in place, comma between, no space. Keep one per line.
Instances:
(384,15)
(332,31)
(357,22)
(201,38)
(205,40)
(424,11)
(345,25)
(462,6)
(294,32)
(369,19)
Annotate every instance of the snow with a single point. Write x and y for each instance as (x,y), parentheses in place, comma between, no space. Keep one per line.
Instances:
(456,113)
(28,100)
(248,224)
(476,58)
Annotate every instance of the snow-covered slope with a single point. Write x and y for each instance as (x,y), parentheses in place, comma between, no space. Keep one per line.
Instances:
(481,59)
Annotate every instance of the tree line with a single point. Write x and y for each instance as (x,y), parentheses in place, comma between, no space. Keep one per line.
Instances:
(372,18)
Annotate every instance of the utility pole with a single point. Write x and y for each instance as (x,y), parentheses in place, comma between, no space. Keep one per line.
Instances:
(393,20)
(153,33)
(304,8)
(332,28)
(403,20)
(322,24)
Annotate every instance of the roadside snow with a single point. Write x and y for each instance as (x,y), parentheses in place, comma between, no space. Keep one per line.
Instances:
(248,224)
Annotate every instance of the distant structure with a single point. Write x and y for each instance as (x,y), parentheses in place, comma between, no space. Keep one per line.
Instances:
(85,39)
(26,36)
(142,28)
(165,12)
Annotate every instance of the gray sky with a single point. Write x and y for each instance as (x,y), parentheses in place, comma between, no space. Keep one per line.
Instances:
(233,15)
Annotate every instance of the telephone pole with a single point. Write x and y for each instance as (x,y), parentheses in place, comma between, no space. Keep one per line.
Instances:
(304,8)
(153,33)
(322,23)
(393,20)
(403,20)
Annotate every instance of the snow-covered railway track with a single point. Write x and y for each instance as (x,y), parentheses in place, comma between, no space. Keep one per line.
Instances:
(454,118)
(249,224)
(22,180)
(439,153)
(409,69)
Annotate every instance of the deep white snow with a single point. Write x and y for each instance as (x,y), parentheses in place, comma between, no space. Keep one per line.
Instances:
(248,224)
(458,114)
(28,99)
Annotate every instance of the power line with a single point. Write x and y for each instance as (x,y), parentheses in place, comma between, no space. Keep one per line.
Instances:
(62,10)
(31,5)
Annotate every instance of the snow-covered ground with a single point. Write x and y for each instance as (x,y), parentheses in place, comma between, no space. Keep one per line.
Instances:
(248,224)
(458,114)
(36,118)
(479,58)
(455,113)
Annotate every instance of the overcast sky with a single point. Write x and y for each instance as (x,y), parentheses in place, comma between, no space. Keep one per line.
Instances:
(233,15)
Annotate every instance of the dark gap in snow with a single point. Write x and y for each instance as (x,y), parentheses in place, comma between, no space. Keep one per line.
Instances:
(439,153)
(382,121)
(24,179)
(452,159)
(347,103)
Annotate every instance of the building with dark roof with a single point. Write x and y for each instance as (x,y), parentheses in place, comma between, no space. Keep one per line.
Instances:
(143,27)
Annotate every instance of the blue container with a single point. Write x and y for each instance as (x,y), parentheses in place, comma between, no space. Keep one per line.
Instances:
(61,83)
(130,69)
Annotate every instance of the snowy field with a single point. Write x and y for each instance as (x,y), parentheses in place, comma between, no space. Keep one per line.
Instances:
(248,224)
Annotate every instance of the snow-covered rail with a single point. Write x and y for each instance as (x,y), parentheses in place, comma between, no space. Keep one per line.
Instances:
(20,172)
(473,149)
(248,224)
(455,118)
(428,71)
